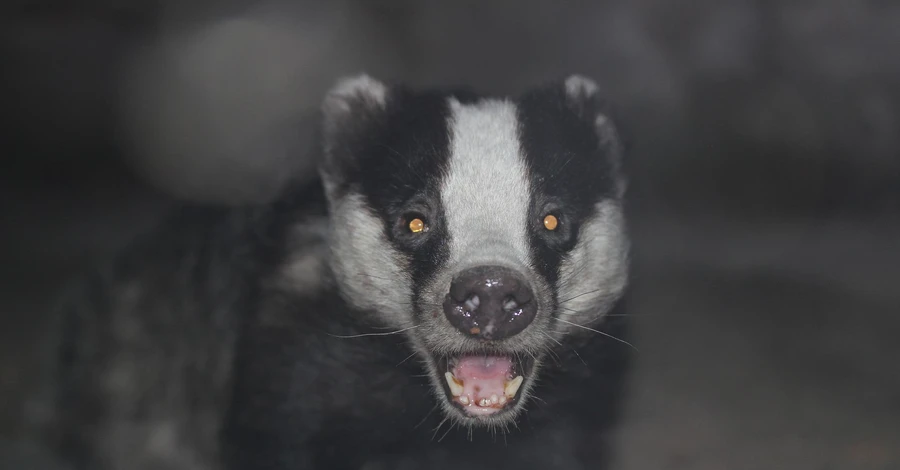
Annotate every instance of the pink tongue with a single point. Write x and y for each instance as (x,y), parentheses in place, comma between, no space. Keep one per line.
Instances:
(483,376)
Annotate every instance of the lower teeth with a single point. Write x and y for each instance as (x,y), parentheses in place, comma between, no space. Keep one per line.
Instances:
(509,391)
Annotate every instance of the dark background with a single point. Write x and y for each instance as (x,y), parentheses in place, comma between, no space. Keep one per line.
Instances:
(765,195)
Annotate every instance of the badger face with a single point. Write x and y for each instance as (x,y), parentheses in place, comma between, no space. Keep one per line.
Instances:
(486,229)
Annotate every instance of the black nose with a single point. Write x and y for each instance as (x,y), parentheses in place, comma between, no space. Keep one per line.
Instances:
(490,302)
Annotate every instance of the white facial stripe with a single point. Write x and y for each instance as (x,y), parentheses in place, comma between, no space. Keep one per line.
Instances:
(371,272)
(486,191)
(596,271)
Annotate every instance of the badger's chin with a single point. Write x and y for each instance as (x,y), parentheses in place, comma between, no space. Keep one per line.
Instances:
(484,389)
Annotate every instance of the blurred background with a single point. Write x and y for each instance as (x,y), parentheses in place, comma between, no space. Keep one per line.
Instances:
(765,181)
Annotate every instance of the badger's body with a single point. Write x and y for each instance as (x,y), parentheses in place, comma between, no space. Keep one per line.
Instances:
(450,297)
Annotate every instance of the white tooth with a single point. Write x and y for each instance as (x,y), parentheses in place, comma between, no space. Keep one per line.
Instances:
(513,386)
(502,399)
(494,399)
(455,388)
(464,400)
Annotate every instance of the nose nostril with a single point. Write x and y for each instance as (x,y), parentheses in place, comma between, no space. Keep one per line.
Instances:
(510,304)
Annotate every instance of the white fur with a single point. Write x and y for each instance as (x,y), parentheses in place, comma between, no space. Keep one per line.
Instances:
(486,191)
(579,87)
(350,99)
(371,273)
(360,86)
(595,273)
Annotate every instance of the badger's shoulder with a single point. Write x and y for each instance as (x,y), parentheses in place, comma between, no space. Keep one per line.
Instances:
(144,342)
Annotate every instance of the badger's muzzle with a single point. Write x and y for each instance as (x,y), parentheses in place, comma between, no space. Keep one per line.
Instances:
(490,303)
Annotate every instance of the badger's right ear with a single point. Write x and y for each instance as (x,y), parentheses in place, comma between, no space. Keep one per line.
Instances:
(351,110)
(351,104)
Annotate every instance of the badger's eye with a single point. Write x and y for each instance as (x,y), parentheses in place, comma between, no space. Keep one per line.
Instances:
(550,222)
(416,225)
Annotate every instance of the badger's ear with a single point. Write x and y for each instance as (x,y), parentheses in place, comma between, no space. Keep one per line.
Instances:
(350,105)
(585,97)
(351,96)
(349,111)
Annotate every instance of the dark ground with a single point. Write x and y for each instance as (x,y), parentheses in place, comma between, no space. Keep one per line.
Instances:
(766,194)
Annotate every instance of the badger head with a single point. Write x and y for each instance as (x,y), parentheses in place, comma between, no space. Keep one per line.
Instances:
(486,229)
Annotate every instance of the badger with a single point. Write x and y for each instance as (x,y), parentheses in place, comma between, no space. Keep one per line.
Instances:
(450,293)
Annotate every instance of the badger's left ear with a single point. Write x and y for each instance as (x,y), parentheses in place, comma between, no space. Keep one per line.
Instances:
(585,98)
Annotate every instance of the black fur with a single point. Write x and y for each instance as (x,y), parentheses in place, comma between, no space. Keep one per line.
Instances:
(571,173)
(305,399)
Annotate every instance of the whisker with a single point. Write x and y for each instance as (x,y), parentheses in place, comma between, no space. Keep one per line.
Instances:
(561,167)
(447,432)
(550,350)
(375,277)
(554,356)
(636,315)
(379,327)
(438,428)
(579,295)
(579,357)
(551,338)
(570,310)
(374,334)
(426,416)
(392,150)
(597,331)
(407,358)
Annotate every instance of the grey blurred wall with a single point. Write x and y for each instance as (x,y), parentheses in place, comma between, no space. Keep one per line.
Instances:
(214,100)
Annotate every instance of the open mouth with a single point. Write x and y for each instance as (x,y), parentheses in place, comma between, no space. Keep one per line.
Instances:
(482,385)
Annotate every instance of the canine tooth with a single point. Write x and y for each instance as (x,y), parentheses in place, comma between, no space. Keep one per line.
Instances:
(455,388)
(494,399)
(513,386)
(464,400)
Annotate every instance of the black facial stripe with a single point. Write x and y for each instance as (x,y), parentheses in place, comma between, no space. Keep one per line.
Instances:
(404,153)
(569,171)
(399,168)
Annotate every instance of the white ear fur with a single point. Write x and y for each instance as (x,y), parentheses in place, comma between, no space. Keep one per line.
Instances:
(348,105)
(584,93)
(353,94)
(580,87)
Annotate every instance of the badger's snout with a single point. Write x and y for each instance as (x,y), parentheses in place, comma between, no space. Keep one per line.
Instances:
(490,303)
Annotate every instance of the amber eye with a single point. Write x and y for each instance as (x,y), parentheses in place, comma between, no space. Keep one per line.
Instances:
(416,225)
(550,222)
